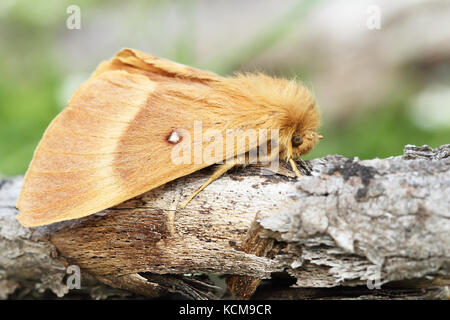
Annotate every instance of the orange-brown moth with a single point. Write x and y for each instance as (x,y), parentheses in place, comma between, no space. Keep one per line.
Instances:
(115,138)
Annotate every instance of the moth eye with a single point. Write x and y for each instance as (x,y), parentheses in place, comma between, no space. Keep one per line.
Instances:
(297,140)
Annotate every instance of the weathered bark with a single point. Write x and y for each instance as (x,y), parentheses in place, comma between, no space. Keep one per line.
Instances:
(348,224)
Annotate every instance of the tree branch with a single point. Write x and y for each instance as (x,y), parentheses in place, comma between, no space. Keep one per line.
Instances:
(347,226)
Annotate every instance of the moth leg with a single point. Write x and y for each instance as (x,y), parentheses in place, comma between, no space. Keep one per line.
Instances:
(292,162)
(216,174)
(294,167)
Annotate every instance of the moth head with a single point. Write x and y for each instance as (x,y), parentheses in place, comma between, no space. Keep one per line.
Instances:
(303,142)
(299,124)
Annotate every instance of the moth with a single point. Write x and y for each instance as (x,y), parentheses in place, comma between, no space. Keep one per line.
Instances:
(116,137)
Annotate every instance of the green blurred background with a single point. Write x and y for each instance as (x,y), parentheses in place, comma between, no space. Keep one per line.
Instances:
(378,89)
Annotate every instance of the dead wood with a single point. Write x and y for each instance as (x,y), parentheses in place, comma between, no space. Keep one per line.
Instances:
(345,227)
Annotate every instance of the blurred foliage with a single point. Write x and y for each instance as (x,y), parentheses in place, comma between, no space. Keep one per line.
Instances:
(29,78)
(381,133)
(30,82)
